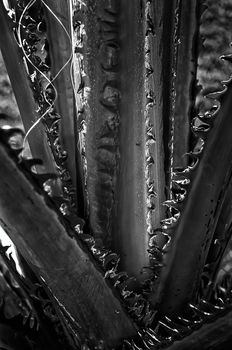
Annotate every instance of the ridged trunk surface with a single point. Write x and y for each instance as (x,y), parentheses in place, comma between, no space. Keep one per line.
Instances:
(130,120)
(125,175)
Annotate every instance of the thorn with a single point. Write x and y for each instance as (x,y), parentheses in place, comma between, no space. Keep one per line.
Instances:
(125,284)
(119,278)
(184,321)
(29,163)
(193,155)
(88,239)
(209,306)
(111,258)
(170,203)
(227,57)
(134,346)
(173,330)
(183,330)
(42,178)
(217,94)
(154,336)
(75,221)
(200,311)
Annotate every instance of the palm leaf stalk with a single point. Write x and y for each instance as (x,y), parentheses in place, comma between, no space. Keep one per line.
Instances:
(128,79)
(70,256)
(60,51)
(197,223)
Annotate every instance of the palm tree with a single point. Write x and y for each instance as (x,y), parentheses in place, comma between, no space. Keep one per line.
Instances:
(122,216)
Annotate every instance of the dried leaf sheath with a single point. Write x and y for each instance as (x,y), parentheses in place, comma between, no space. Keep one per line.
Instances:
(59,36)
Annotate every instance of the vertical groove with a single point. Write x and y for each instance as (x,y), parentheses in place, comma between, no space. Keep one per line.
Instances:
(124,125)
(186,67)
(130,226)
(155,162)
(102,113)
(175,43)
(168,20)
